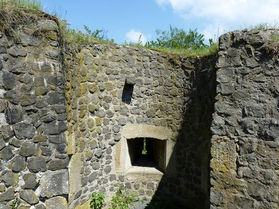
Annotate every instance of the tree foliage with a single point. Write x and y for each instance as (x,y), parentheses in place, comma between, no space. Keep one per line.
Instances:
(178,39)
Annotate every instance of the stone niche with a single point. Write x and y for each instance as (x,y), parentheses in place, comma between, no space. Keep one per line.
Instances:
(143,151)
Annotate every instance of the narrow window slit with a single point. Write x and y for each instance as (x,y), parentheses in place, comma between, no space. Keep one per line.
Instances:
(127,92)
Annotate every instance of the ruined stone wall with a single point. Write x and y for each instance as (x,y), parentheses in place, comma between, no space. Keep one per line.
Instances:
(98,115)
(69,114)
(190,183)
(245,163)
(33,150)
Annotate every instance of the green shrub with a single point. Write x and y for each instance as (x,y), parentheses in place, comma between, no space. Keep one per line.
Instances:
(97,200)
(178,39)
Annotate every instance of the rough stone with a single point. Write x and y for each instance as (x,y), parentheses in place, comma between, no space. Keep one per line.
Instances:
(28,149)
(9,178)
(57,164)
(47,25)
(17,52)
(9,80)
(13,115)
(29,196)
(2,144)
(24,130)
(8,195)
(30,181)
(36,164)
(18,164)
(7,132)
(57,139)
(40,206)
(56,202)
(55,98)
(6,153)
(54,183)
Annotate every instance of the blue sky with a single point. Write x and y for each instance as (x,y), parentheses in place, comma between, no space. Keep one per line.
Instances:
(128,19)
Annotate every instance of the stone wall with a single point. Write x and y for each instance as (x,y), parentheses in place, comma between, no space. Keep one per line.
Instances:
(72,118)
(189,185)
(33,149)
(99,116)
(245,163)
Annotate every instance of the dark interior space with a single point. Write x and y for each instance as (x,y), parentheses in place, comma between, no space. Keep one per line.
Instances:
(189,186)
(147,152)
(127,93)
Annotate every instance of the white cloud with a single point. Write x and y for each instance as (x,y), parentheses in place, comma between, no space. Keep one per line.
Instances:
(213,31)
(231,13)
(135,36)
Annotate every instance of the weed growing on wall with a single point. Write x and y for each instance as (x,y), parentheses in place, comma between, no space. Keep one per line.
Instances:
(15,203)
(122,199)
(79,37)
(97,200)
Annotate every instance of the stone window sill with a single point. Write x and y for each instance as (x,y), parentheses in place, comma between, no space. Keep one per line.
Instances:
(143,172)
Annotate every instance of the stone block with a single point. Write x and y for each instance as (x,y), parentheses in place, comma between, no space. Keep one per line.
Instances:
(30,181)
(54,183)
(24,130)
(47,25)
(10,178)
(13,115)
(75,175)
(7,132)
(36,164)
(8,195)
(28,149)
(9,80)
(223,152)
(58,164)
(6,153)
(18,164)
(29,196)
(56,202)
(17,51)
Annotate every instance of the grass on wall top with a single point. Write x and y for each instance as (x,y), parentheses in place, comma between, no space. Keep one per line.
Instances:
(88,37)
(30,4)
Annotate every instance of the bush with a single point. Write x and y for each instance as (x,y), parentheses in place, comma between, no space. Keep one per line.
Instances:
(177,39)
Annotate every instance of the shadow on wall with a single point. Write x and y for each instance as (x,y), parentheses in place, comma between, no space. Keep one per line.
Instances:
(185,183)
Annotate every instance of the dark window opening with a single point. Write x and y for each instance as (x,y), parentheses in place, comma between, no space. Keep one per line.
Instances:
(147,152)
(127,92)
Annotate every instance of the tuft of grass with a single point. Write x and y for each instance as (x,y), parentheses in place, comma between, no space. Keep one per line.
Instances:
(11,12)
(264,26)
(204,51)
(29,4)
(82,38)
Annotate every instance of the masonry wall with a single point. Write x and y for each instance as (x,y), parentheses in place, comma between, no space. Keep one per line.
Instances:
(33,149)
(98,116)
(66,118)
(244,164)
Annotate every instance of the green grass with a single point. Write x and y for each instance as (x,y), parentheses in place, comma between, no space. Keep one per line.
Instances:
(91,37)
(29,4)
(204,51)
(79,37)
(264,26)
